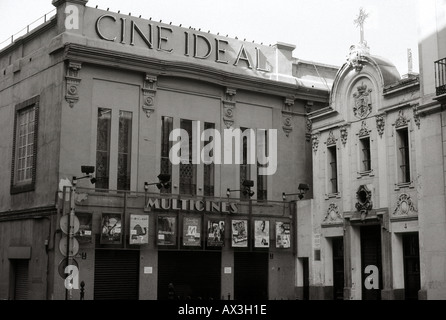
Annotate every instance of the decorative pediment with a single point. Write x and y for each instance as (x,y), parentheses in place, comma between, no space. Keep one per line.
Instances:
(402,120)
(364,131)
(363,102)
(404,206)
(333,215)
(331,140)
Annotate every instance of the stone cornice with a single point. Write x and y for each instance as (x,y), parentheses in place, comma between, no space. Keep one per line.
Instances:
(126,61)
(323,113)
(403,84)
(28,213)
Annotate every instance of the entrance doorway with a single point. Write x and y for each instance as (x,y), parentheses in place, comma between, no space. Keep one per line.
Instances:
(20,279)
(195,275)
(251,275)
(371,256)
(338,268)
(412,281)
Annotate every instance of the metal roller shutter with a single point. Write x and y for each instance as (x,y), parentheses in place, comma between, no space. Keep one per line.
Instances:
(251,275)
(195,275)
(116,275)
(21,279)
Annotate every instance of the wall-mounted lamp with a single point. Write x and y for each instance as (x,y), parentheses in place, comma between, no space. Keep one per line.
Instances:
(247,184)
(88,171)
(164,182)
(303,188)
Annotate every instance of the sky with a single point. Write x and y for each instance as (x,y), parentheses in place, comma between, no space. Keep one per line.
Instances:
(321,30)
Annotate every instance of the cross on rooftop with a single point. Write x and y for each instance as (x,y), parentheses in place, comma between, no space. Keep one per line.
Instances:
(360,21)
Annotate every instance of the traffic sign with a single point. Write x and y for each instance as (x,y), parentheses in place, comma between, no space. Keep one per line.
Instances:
(63,246)
(63,264)
(64,223)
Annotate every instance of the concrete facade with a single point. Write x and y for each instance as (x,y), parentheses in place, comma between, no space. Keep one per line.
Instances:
(152,70)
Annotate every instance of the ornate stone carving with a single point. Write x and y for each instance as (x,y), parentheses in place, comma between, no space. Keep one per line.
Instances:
(287,115)
(229,107)
(416,116)
(331,140)
(315,141)
(355,57)
(73,81)
(401,121)
(333,214)
(363,103)
(364,131)
(364,198)
(149,92)
(287,125)
(309,106)
(309,125)
(344,134)
(404,206)
(380,124)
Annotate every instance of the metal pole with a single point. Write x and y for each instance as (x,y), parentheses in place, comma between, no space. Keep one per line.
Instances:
(70,233)
(68,243)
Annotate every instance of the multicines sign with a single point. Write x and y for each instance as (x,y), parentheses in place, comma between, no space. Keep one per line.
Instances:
(190,205)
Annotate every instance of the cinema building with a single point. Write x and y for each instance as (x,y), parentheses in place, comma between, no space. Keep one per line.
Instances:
(107,93)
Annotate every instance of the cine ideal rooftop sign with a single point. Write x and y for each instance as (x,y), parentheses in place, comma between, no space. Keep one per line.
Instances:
(169,42)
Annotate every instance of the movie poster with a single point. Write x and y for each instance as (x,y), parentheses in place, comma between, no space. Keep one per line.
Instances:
(240,233)
(216,233)
(166,231)
(191,232)
(261,234)
(111,228)
(84,235)
(283,234)
(139,229)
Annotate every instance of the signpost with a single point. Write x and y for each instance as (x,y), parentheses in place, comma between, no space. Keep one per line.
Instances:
(68,245)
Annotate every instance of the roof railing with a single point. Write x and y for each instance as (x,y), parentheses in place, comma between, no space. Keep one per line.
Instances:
(30,27)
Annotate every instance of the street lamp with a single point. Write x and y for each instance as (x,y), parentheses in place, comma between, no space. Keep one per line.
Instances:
(303,188)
